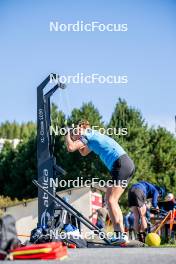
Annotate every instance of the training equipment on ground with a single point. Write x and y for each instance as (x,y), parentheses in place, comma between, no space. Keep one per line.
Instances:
(8,234)
(153,240)
(54,250)
(72,211)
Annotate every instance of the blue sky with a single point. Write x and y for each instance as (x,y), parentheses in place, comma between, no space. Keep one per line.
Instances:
(146,53)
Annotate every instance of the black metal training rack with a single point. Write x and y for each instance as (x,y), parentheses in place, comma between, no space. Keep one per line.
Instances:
(48,201)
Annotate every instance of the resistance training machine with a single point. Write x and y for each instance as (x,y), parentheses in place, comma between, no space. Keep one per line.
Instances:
(48,201)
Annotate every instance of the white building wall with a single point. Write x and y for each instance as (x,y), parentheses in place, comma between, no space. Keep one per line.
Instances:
(26,216)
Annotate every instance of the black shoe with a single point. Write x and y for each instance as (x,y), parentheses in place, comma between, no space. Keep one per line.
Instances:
(141,237)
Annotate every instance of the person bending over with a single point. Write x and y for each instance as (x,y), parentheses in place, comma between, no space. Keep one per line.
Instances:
(119,164)
(137,197)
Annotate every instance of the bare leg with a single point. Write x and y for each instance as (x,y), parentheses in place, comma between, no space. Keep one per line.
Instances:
(142,213)
(113,195)
(135,211)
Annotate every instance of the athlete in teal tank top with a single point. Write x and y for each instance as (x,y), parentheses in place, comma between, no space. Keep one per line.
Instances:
(105,147)
(114,157)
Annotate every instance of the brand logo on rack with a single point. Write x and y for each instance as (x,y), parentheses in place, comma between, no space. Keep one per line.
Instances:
(45,186)
(41,125)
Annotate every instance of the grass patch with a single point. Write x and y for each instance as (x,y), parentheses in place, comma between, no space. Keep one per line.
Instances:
(168,245)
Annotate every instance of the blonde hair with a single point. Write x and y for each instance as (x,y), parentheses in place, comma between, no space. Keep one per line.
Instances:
(84,123)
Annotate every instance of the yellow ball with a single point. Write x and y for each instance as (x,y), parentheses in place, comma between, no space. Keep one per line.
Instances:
(153,240)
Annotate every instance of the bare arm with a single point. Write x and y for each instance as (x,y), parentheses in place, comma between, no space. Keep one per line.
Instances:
(73,145)
(84,151)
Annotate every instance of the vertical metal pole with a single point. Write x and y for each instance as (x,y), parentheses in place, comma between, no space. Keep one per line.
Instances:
(44,158)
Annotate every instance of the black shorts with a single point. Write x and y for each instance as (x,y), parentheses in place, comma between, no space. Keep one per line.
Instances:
(122,170)
(136,197)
